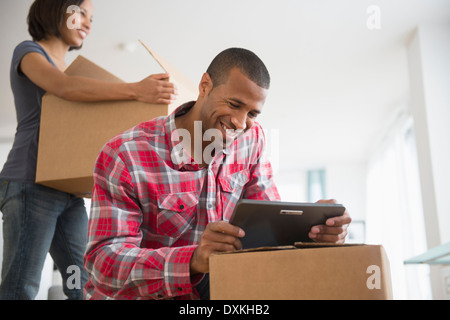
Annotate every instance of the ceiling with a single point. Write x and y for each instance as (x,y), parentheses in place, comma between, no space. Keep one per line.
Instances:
(335,82)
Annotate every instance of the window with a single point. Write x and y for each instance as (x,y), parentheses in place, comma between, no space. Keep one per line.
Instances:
(316,185)
(394,209)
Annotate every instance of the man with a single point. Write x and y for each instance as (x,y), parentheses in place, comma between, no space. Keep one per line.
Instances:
(162,197)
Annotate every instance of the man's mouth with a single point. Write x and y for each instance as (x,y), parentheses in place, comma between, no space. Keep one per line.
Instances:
(230,132)
(225,127)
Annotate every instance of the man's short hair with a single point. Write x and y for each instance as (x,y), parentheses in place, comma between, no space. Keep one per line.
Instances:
(46,17)
(246,61)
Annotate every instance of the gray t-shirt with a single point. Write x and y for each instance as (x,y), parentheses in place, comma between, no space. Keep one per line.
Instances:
(22,159)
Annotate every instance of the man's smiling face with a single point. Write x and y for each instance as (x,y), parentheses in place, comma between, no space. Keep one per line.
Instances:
(233,106)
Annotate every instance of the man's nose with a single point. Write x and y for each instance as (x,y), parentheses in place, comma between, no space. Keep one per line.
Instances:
(240,121)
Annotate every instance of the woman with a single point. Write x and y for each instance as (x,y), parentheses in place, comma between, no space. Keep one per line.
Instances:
(37,219)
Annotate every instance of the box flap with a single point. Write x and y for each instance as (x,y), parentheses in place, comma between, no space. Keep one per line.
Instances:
(186,88)
(297,245)
(260,249)
(305,245)
(82,67)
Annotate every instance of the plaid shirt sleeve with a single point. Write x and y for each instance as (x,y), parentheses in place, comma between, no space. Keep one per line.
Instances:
(119,268)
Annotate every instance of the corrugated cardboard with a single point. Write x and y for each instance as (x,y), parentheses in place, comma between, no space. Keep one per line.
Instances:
(306,272)
(73,133)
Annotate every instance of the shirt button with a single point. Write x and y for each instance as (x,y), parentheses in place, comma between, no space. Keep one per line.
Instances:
(181,207)
(210,206)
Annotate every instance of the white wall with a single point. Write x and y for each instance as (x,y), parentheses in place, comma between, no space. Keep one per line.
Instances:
(346,182)
(291,184)
(429,61)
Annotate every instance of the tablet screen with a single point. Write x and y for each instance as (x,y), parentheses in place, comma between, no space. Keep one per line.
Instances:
(276,223)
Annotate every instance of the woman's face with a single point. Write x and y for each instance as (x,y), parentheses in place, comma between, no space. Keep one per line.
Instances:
(77,24)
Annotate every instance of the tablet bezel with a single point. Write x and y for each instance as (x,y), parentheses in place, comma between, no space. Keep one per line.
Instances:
(265,226)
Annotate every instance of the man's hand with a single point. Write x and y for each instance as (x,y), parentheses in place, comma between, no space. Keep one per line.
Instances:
(156,89)
(334,230)
(217,237)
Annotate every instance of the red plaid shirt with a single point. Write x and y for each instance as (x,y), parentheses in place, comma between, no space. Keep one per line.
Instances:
(148,213)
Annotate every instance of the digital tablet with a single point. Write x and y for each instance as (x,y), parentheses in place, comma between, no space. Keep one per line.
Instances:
(276,223)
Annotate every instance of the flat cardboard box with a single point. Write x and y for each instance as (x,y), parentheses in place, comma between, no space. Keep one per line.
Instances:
(73,133)
(303,272)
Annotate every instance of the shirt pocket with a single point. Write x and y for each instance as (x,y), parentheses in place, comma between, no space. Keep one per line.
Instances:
(232,183)
(177,213)
(232,186)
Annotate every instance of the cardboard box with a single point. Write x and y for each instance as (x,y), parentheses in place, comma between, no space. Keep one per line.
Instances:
(302,272)
(73,133)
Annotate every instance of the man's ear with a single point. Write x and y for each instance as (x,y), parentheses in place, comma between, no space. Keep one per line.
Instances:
(205,86)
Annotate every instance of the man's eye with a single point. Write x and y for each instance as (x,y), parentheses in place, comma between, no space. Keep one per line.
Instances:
(233,105)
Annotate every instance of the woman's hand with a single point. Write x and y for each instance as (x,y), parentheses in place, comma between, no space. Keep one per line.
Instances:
(156,89)
(153,89)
